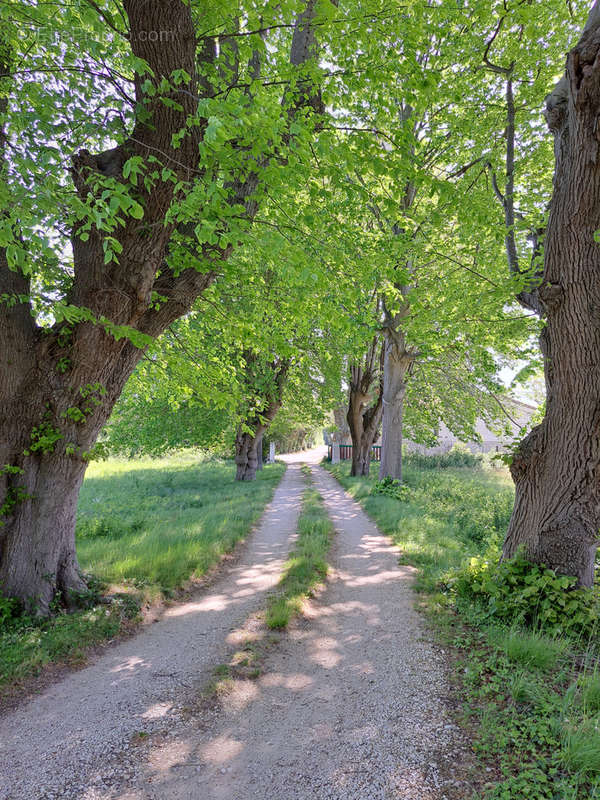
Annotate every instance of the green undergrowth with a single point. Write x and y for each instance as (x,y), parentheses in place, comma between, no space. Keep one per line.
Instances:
(522,641)
(307,566)
(28,645)
(144,528)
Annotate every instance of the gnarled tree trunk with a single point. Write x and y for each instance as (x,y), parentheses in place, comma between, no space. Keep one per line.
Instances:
(246,455)
(364,410)
(556,469)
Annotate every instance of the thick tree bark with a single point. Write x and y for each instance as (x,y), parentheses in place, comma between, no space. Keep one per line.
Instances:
(38,545)
(364,410)
(556,469)
(398,360)
(49,433)
(246,456)
(361,456)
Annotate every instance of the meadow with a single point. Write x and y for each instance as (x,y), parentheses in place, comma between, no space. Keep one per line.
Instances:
(153,524)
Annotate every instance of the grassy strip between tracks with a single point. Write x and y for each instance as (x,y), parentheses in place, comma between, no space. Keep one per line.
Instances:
(307,566)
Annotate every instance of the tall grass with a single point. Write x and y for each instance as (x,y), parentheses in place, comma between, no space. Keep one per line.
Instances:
(530,648)
(157,523)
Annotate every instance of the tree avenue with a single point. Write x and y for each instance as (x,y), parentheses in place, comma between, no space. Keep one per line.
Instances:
(286,188)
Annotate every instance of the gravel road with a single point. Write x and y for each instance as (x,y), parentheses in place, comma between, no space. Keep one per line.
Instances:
(79,737)
(350,704)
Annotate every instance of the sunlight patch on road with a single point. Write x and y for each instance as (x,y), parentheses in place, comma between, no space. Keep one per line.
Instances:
(222,749)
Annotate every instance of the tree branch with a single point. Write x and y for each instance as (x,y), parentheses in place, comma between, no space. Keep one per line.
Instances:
(495,67)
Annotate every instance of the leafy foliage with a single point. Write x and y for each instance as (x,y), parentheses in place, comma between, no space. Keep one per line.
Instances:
(517,591)
(8,611)
(390,487)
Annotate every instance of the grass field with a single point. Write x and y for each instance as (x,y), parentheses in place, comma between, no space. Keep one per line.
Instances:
(153,524)
(144,528)
(530,693)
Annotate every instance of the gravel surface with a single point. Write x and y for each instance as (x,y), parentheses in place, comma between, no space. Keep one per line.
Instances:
(81,737)
(350,704)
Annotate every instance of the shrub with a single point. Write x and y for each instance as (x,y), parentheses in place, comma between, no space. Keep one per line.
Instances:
(391,487)
(456,457)
(517,591)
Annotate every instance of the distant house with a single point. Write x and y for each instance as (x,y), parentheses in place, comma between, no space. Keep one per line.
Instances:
(520,413)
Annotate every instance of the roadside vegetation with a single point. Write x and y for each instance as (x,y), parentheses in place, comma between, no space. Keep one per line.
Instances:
(144,529)
(306,566)
(523,641)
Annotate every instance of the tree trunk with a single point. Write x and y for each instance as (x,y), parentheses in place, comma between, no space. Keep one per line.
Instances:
(335,452)
(556,469)
(364,411)
(361,458)
(396,364)
(340,417)
(250,435)
(39,560)
(49,434)
(246,456)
